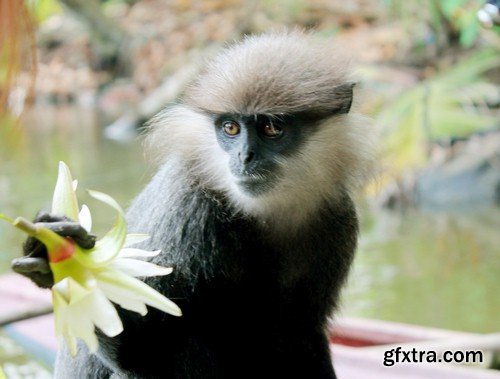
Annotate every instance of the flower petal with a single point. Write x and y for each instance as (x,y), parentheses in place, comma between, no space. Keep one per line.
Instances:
(77,292)
(60,292)
(135,267)
(63,315)
(85,218)
(77,317)
(139,290)
(104,314)
(70,341)
(64,200)
(137,253)
(135,238)
(60,305)
(80,325)
(106,199)
(122,298)
(61,325)
(107,248)
(130,287)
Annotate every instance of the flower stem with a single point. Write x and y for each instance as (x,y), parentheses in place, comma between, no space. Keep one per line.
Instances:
(58,248)
(26,226)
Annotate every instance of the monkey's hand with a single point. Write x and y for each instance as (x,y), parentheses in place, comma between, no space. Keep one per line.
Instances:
(34,264)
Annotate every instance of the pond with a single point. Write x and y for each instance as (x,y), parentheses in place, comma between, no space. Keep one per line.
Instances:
(431,269)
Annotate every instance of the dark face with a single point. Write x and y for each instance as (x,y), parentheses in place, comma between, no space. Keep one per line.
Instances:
(256,143)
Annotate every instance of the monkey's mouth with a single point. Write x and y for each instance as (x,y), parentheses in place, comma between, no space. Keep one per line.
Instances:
(254,185)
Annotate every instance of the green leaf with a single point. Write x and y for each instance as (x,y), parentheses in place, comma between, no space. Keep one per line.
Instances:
(45,8)
(441,106)
(451,6)
(469,29)
(446,122)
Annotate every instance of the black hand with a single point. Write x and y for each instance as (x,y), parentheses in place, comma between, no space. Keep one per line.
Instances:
(34,264)
(72,229)
(35,268)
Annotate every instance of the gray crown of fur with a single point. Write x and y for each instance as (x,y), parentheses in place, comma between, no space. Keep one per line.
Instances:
(272,74)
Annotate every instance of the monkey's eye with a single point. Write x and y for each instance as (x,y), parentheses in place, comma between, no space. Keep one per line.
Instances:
(231,128)
(271,130)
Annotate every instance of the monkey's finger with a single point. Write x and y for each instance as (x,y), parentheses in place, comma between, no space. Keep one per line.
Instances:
(72,229)
(69,228)
(36,269)
(34,248)
(44,216)
(41,280)
(26,265)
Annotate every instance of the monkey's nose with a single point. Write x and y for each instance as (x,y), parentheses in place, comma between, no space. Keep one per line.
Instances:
(246,157)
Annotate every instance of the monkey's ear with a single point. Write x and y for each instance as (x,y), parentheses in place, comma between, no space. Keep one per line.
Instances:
(343,98)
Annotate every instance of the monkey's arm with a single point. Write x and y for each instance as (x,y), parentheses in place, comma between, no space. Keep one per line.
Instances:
(34,264)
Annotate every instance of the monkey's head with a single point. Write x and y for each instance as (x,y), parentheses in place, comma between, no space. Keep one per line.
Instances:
(268,124)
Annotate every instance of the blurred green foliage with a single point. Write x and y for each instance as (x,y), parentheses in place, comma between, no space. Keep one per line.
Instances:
(449,21)
(461,16)
(43,9)
(284,11)
(450,104)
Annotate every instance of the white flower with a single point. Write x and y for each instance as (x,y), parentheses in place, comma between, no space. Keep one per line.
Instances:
(88,280)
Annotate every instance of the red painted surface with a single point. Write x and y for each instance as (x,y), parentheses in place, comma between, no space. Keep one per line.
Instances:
(347,341)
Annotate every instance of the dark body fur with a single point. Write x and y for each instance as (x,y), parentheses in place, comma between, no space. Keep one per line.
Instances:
(255,304)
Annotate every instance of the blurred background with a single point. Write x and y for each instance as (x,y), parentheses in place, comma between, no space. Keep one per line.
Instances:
(79,77)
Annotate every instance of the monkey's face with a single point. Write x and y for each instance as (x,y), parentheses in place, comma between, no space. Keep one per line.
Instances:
(271,135)
(258,147)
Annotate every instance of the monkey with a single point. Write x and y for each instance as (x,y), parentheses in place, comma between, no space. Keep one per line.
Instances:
(252,205)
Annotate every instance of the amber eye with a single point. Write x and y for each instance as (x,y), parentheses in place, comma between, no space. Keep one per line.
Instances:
(271,130)
(231,128)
